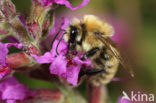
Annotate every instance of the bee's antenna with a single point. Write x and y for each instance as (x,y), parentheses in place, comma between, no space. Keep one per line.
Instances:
(59,43)
(56,36)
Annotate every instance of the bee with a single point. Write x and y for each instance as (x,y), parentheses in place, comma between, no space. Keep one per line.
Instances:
(91,35)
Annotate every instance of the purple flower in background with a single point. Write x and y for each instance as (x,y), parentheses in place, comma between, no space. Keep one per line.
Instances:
(11,90)
(123,100)
(122,30)
(66,3)
(60,65)
(59,24)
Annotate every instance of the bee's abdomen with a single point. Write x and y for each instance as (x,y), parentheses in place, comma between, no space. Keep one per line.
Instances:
(107,61)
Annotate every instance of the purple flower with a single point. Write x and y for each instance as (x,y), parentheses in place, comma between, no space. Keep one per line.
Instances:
(11,90)
(122,30)
(4,51)
(72,74)
(60,65)
(65,2)
(73,70)
(49,57)
(4,69)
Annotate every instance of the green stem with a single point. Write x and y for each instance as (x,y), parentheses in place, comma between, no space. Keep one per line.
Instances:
(3,36)
(72,95)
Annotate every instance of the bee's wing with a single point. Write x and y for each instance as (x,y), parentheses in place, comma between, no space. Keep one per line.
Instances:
(116,52)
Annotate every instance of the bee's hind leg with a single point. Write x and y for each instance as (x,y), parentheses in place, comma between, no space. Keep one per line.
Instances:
(92,71)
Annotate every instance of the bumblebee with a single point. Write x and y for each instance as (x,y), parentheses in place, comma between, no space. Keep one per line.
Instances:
(91,35)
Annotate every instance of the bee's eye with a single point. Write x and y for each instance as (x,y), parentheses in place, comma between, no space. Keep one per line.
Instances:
(73,33)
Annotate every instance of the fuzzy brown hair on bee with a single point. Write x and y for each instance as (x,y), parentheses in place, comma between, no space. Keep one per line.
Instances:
(83,35)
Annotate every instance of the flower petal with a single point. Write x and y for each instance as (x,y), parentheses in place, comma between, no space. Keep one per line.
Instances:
(62,48)
(56,26)
(47,2)
(59,24)
(65,2)
(46,58)
(69,5)
(72,74)
(73,70)
(65,23)
(58,67)
(3,53)
(11,101)
(18,92)
(80,62)
(11,89)
(17,45)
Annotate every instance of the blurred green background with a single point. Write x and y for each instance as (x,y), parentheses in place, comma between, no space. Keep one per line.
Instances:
(140,46)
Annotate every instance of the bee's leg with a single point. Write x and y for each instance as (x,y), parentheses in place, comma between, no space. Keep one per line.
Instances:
(90,53)
(92,71)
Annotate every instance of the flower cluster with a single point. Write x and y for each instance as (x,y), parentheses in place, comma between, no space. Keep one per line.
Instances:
(68,68)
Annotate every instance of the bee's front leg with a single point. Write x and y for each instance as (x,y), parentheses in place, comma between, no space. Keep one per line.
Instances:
(90,53)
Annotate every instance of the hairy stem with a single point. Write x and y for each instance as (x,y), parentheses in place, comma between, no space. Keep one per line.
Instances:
(48,95)
(18,60)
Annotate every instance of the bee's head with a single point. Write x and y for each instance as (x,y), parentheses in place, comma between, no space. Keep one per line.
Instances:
(73,35)
(73,32)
